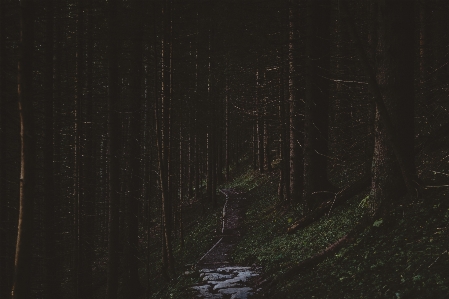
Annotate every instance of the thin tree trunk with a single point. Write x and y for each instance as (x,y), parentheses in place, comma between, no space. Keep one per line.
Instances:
(52,283)
(4,276)
(163,140)
(227,141)
(135,185)
(316,103)
(89,176)
(254,144)
(81,285)
(296,123)
(114,152)
(23,258)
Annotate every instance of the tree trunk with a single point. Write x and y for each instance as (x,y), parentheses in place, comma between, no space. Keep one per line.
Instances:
(4,276)
(53,271)
(114,129)
(296,123)
(133,287)
(395,74)
(164,132)
(23,259)
(316,103)
(383,117)
(227,141)
(89,176)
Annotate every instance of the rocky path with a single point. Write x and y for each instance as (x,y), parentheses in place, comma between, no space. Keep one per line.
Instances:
(220,278)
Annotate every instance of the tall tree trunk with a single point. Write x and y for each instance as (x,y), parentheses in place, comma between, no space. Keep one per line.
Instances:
(424,41)
(254,143)
(296,123)
(89,176)
(163,130)
(83,287)
(24,246)
(395,76)
(135,185)
(284,184)
(227,141)
(316,103)
(53,271)
(384,118)
(114,129)
(5,277)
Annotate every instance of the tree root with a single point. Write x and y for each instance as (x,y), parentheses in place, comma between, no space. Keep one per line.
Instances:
(340,197)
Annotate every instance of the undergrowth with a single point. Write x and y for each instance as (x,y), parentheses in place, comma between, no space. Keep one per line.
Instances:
(405,257)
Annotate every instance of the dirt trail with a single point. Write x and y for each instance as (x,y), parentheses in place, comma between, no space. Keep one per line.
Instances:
(220,278)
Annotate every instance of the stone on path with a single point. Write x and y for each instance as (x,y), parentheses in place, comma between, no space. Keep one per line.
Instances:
(219,281)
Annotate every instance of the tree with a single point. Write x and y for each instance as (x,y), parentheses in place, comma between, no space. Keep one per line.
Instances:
(395,76)
(135,185)
(23,258)
(296,121)
(163,129)
(384,124)
(316,103)
(114,130)
(52,263)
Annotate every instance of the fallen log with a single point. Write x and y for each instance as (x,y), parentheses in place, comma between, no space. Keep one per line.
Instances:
(340,197)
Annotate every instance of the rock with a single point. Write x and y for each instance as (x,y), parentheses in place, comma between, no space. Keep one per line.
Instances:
(203,290)
(241,295)
(226,285)
(216,276)
(237,293)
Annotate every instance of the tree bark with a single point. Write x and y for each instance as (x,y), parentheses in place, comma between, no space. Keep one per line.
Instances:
(133,286)
(395,76)
(163,129)
(53,271)
(316,102)
(4,276)
(296,121)
(386,130)
(23,258)
(114,130)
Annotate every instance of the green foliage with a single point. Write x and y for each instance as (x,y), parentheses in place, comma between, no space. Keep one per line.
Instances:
(403,257)
(266,242)
(378,222)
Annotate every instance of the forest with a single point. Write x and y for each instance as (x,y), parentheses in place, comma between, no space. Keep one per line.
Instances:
(309,138)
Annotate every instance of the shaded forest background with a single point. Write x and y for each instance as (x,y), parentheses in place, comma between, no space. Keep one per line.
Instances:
(119,118)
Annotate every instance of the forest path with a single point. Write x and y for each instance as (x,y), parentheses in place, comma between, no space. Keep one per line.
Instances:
(220,278)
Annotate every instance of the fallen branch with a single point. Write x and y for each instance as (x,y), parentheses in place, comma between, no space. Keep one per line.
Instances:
(340,197)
